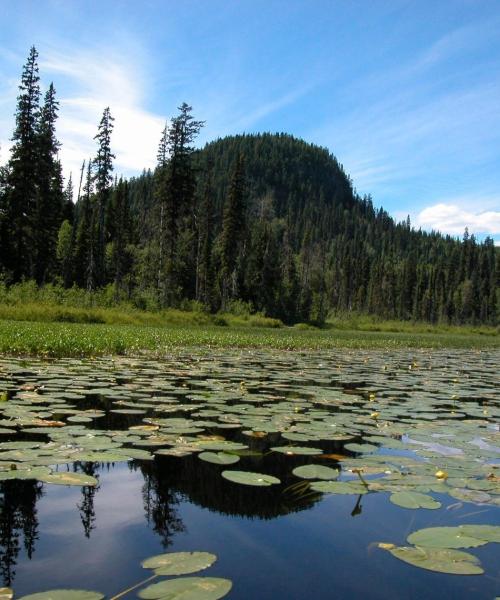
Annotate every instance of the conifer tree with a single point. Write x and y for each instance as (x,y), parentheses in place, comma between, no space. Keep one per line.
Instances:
(204,271)
(50,195)
(176,190)
(233,231)
(103,164)
(21,194)
(84,235)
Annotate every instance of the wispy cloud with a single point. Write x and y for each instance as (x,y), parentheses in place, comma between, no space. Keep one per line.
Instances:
(415,120)
(94,79)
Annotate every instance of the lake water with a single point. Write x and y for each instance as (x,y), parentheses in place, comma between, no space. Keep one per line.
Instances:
(409,415)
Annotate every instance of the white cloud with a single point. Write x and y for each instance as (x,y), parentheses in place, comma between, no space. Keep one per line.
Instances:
(450,218)
(90,81)
(87,81)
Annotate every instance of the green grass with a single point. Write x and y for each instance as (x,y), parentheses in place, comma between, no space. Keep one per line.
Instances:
(77,339)
(54,321)
(373,323)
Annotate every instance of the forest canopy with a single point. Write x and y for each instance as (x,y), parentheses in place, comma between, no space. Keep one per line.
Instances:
(266,220)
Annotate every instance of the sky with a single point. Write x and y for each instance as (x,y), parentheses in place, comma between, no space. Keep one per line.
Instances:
(405,93)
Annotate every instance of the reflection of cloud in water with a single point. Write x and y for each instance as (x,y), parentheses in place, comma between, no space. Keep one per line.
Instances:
(118,508)
(117,501)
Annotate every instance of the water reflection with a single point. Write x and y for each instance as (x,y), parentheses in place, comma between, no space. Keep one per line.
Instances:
(166,483)
(170,499)
(18,523)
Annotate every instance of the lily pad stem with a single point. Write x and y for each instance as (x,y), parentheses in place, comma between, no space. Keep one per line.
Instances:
(134,587)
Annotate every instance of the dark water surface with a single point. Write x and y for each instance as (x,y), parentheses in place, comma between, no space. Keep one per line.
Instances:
(270,542)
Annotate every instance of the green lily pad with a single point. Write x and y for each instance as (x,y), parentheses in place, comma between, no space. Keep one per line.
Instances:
(316,472)
(299,450)
(70,479)
(64,595)
(188,588)
(441,560)
(179,563)
(409,499)
(490,533)
(219,458)
(339,487)
(362,448)
(444,537)
(250,478)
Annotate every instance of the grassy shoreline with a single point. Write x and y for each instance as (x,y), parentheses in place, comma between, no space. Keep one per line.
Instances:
(28,338)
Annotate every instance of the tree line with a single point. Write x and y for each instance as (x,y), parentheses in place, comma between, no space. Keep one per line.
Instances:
(267,222)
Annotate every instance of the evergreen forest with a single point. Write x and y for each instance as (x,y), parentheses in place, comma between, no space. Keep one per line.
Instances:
(265,221)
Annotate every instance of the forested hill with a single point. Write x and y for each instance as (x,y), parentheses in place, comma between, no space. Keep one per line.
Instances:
(309,245)
(264,222)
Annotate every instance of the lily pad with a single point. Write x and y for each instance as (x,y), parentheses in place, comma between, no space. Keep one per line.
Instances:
(70,479)
(490,533)
(316,472)
(362,448)
(444,537)
(339,487)
(188,588)
(219,458)
(409,499)
(179,563)
(441,560)
(299,450)
(250,478)
(64,595)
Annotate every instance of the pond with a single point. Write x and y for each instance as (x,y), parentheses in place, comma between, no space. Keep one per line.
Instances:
(341,474)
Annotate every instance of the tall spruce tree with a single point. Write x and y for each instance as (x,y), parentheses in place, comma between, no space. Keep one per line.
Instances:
(160,193)
(103,164)
(83,234)
(233,232)
(176,192)
(50,195)
(205,225)
(19,252)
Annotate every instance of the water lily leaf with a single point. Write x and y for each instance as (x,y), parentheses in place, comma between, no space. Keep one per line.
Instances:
(339,487)
(179,563)
(441,560)
(64,595)
(250,478)
(188,588)
(409,499)
(299,450)
(490,533)
(444,537)
(316,472)
(361,448)
(219,458)
(221,446)
(473,496)
(70,479)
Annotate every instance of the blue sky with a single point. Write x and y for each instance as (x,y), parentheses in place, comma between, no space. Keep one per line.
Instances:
(406,94)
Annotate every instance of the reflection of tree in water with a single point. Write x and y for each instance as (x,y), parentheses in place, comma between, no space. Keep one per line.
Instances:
(160,505)
(18,517)
(86,506)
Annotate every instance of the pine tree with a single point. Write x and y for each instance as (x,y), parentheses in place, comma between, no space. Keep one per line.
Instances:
(50,195)
(233,231)
(21,195)
(103,181)
(83,233)
(68,212)
(176,191)
(120,258)
(204,270)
